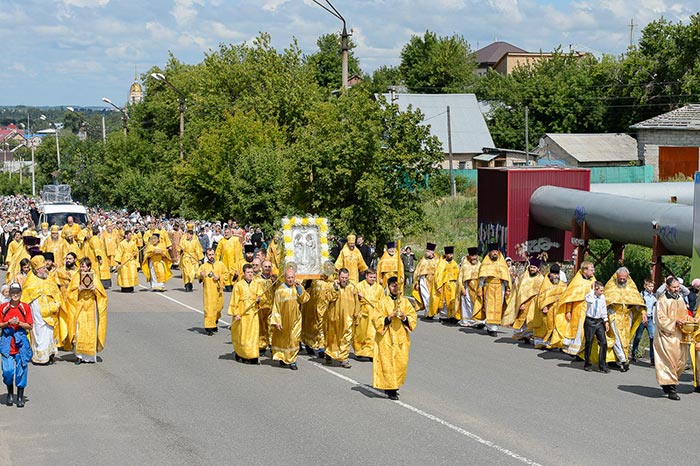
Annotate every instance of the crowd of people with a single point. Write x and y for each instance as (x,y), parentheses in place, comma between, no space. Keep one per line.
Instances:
(56,277)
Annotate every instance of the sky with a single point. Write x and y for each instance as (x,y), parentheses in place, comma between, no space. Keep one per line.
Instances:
(74,52)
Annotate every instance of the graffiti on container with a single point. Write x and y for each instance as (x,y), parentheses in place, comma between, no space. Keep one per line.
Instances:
(580,214)
(492,233)
(668,233)
(535,246)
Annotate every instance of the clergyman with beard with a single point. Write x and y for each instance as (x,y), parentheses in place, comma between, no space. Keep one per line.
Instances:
(543,321)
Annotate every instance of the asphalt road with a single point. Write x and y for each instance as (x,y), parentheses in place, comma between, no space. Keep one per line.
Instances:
(165,394)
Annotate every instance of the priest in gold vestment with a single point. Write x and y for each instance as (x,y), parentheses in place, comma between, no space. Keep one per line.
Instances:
(351,259)
(212,275)
(423,278)
(443,299)
(86,303)
(546,307)
(470,306)
(369,293)
(390,265)
(127,260)
(313,312)
(571,311)
(625,309)
(285,320)
(525,301)
(230,252)
(245,327)
(393,321)
(670,355)
(190,253)
(494,287)
(342,309)
(156,263)
(45,300)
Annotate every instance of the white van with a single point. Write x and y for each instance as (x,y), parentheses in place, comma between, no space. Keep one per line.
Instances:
(56,214)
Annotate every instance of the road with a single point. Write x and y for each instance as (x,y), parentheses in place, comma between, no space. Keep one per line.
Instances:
(166,394)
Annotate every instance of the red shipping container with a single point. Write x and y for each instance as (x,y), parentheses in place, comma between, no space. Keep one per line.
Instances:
(504,210)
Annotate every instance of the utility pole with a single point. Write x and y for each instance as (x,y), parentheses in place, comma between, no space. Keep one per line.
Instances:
(527,136)
(453,188)
(104,131)
(632,25)
(344,44)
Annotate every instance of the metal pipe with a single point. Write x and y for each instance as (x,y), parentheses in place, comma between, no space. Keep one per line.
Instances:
(621,219)
(680,192)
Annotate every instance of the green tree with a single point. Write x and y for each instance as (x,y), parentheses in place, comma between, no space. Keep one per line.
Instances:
(327,62)
(433,65)
(362,163)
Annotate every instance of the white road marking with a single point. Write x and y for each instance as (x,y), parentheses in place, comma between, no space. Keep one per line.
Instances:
(432,417)
(420,412)
(163,295)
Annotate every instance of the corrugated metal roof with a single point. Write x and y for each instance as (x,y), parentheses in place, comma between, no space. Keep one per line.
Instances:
(687,117)
(604,147)
(469,131)
(486,157)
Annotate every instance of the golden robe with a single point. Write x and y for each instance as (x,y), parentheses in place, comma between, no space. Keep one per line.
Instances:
(213,292)
(266,291)
(569,334)
(423,278)
(525,296)
(364,332)
(245,333)
(13,249)
(50,302)
(159,258)
(496,281)
(63,278)
(351,260)
(343,306)
(670,355)
(445,286)
(274,253)
(312,313)
(190,255)
(392,343)
(127,257)
(230,252)
(389,266)
(93,247)
(74,247)
(468,280)
(71,229)
(625,308)
(87,317)
(111,242)
(286,311)
(14,268)
(58,247)
(543,324)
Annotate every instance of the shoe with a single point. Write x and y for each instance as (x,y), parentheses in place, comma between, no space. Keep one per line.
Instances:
(672,395)
(20,397)
(633,358)
(10,395)
(262,352)
(78,361)
(321,353)
(625,367)
(293,366)
(605,370)
(52,359)
(210,332)
(392,395)
(310,351)
(215,329)
(346,364)
(428,317)
(492,333)
(329,361)
(526,340)
(236,357)
(665,388)
(282,364)
(587,367)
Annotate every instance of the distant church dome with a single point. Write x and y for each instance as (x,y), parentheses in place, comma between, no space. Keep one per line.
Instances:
(135,91)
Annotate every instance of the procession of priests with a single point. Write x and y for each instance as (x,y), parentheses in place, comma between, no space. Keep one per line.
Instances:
(362,306)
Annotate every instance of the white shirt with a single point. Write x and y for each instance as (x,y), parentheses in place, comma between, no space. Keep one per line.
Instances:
(597,307)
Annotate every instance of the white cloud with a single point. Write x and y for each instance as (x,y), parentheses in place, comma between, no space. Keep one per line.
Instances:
(273,5)
(185,11)
(86,3)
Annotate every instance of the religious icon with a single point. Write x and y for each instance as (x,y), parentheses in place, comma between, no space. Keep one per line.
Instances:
(306,244)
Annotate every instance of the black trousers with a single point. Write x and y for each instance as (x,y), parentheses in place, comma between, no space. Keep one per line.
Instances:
(595,328)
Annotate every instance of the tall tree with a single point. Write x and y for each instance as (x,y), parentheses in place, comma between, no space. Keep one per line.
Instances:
(327,62)
(432,64)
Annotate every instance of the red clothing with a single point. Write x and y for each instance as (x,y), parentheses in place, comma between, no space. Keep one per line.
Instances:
(22,312)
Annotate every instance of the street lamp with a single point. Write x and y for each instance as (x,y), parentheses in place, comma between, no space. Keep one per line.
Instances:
(83,124)
(181,100)
(344,47)
(125,117)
